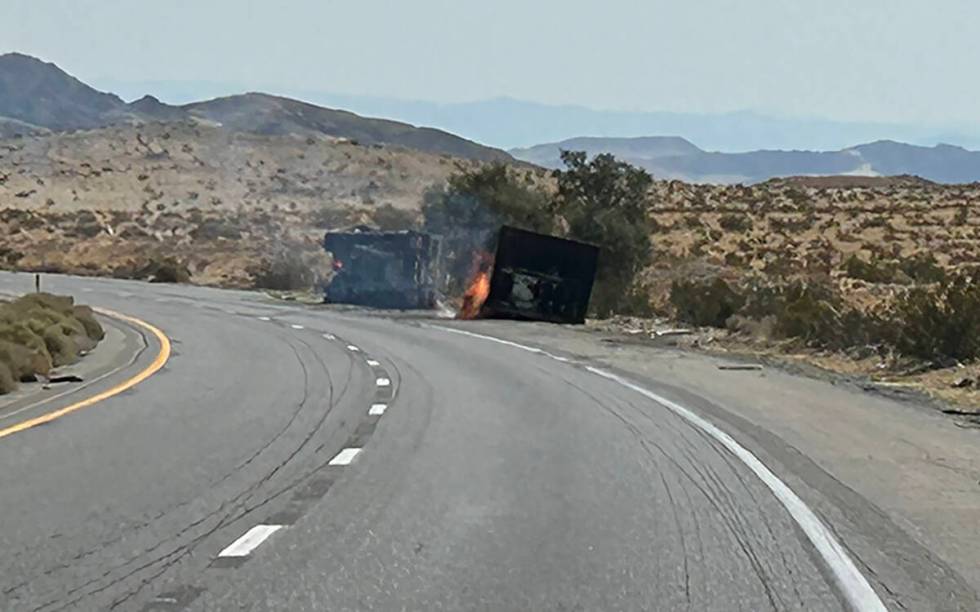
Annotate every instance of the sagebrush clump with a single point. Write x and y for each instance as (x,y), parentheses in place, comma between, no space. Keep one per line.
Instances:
(42,331)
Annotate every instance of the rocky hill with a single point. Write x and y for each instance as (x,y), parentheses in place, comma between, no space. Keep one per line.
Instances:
(271,115)
(35,95)
(677,158)
(106,200)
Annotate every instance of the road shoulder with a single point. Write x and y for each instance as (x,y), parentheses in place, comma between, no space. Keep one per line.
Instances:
(898,481)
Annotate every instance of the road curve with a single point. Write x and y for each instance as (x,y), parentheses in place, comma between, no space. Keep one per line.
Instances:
(295,459)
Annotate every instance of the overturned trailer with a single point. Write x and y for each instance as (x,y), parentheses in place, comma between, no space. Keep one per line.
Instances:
(540,277)
(383,269)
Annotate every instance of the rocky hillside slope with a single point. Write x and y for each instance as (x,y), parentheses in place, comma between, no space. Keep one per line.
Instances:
(107,200)
(35,94)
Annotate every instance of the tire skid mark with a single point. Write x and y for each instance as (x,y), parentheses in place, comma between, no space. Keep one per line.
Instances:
(301,496)
(228,518)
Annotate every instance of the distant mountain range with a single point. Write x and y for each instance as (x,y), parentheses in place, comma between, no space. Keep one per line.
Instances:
(507,123)
(677,158)
(37,96)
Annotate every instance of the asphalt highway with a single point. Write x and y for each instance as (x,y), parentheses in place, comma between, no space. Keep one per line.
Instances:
(288,458)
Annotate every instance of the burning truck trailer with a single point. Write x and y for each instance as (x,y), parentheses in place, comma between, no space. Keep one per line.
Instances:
(534,277)
(383,269)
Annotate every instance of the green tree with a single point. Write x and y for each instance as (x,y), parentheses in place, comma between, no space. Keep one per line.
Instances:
(470,208)
(603,201)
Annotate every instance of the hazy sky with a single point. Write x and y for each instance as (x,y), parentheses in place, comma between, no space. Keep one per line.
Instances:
(887,60)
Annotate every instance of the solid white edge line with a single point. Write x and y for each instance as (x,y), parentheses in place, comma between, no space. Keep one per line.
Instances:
(251,540)
(345,457)
(377,409)
(855,587)
(383,382)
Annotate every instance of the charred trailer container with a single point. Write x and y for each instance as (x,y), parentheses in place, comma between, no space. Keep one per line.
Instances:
(540,277)
(383,269)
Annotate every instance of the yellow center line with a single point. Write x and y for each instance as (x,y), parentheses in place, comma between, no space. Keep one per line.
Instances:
(129,383)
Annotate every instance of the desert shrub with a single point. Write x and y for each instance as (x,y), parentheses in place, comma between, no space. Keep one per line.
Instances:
(708,302)
(809,314)
(388,218)
(333,218)
(692,222)
(85,316)
(22,362)
(734,222)
(810,310)
(18,332)
(285,271)
(962,216)
(922,268)
(7,381)
(61,304)
(604,202)
(164,270)
(214,229)
(872,272)
(938,322)
(61,345)
(39,331)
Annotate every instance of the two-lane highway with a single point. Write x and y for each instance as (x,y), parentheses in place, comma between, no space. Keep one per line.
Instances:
(294,459)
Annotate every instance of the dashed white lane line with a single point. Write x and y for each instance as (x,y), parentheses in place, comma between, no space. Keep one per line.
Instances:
(244,545)
(377,409)
(295,326)
(264,319)
(351,347)
(330,336)
(345,457)
(373,363)
(851,581)
(384,382)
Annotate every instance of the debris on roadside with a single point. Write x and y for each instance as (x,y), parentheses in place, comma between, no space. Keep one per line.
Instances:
(672,332)
(383,269)
(739,366)
(963,383)
(538,277)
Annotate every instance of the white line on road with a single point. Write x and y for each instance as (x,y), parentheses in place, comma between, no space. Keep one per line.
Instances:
(330,336)
(849,578)
(264,319)
(377,409)
(384,382)
(373,363)
(295,326)
(244,545)
(351,347)
(345,457)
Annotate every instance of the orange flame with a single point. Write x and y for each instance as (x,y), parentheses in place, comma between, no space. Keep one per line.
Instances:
(479,287)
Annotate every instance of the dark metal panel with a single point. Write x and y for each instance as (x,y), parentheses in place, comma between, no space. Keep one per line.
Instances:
(540,277)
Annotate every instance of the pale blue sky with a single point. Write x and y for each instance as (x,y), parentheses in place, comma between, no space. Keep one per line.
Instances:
(885,60)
